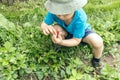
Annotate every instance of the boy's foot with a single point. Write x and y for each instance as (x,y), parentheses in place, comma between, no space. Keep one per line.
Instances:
(97,66)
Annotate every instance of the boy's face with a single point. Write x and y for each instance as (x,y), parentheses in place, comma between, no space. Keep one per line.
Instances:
(66,16)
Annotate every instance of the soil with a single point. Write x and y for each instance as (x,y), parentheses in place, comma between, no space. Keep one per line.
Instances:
(111,60)
(30,77)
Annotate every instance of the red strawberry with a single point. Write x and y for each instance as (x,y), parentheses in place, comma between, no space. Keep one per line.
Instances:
(57,33)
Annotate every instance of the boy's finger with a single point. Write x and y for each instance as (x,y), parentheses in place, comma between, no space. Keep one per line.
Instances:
(59,35)
(54,38)
(52,30)
(46,32)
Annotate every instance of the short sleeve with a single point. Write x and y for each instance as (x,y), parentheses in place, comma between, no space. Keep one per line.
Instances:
(49,18)
(80,24)
(79,30)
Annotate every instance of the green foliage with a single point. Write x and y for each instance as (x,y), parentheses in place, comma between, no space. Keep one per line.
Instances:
(104,17)
(24,49)
(11,61)
(109,73)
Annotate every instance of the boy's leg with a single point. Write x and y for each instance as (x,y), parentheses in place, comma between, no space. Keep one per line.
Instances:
(96,42)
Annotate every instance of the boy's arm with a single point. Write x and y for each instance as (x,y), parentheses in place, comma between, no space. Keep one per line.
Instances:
(47,29)
(65,42)
(70,42)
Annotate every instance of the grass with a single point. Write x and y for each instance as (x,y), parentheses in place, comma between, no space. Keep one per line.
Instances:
(39,58)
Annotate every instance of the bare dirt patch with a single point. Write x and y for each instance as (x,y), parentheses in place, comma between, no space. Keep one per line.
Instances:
(113,61)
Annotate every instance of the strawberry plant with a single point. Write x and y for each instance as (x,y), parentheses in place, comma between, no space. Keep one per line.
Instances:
(24,49)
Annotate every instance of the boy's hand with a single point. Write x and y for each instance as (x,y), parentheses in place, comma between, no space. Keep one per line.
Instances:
(48,30)
(57,39)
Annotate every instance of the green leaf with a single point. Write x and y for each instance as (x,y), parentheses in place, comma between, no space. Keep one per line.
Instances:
(5,23)
(13,60)
(78,61)
(12,49)
(68,70)
(62,73)
(88,77)
(72,78)
(5,63)
(74,72)
(46,60)
(0,53)
(39,75)
(79,76)
(27,24)
(8,45)
(15,75)
(28,70)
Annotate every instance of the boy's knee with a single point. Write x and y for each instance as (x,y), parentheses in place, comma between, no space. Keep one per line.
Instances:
(60,29)
(57,27)
(98,43)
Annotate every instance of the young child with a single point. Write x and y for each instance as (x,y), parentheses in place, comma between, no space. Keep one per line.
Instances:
(67,22)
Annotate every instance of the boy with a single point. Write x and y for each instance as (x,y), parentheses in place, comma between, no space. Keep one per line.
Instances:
(71,26)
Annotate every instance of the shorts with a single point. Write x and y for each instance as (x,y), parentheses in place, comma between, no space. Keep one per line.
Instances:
(87,32)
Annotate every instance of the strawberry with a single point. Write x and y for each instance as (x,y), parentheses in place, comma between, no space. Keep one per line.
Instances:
(57,33)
